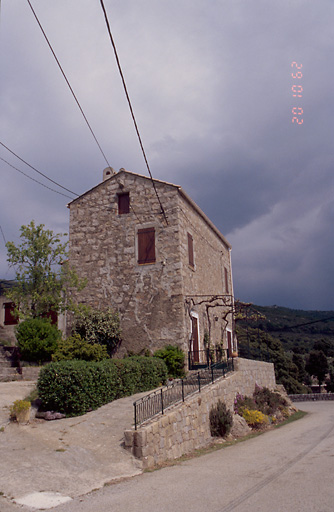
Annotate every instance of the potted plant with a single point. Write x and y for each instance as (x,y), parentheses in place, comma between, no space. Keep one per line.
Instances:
(20,411)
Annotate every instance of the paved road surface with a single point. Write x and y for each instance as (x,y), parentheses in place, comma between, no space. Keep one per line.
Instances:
(288,469)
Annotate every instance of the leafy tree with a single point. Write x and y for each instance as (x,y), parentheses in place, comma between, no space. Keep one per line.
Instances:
(43,277)
(330,383)
(317,365)
(298,360)
(97,326)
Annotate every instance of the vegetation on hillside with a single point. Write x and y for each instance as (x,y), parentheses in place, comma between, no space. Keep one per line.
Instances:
(299,343)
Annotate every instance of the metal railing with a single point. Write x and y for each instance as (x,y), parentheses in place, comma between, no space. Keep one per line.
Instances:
(312,397)
(157,402)
(209,356)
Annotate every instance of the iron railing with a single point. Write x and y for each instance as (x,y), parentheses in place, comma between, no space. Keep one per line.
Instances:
(157,402)
(312,397)
(203,358)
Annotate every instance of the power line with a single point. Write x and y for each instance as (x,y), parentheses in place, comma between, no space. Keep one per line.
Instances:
(68,83)
(36,170)
(130,106)
(3,235)
(27,175)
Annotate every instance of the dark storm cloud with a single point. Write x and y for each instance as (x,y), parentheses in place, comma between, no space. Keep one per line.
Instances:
(211,85)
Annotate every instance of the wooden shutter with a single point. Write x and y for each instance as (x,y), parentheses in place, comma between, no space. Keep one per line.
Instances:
(146,245)
(191,250)
(10,319)
(53,316)
(123,203)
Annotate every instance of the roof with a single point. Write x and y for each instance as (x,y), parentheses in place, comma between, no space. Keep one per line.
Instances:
(179,189)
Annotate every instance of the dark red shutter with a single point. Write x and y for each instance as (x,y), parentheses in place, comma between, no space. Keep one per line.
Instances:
(123,203)
(10,319)
(191,250)
(53,316)
(146,245)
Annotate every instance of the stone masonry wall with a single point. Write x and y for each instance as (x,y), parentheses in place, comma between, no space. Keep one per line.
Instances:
(103,249)
(154,300)
(206,292)
(186,427)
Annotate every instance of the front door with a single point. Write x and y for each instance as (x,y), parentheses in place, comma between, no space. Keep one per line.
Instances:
(194,335)
(229,344)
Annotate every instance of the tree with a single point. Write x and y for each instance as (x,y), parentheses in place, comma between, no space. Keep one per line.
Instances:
(95,326)
(43,277)
(317,366)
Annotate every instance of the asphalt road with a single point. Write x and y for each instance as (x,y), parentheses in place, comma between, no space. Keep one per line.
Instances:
(287,469)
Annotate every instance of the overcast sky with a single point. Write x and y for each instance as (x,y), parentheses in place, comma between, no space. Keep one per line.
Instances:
(211,87)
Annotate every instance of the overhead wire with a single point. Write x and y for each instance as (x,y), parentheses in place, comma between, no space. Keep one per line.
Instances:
(130,106)
(3,235)
(68,83)
(33,179)
(36,170)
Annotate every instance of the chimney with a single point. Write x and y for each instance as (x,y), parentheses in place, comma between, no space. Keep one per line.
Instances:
(108,172)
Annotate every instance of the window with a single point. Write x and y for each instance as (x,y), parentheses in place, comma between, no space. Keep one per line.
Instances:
(123,203)
(191,250)
(10,319)
(146,245)
(226,280)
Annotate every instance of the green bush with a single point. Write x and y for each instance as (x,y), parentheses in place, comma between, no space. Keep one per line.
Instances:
(75,387)
(153,370)
(174,359)
(243,402)
(221,420)
(101,327)
(268,401)
(75,347)
(37,339)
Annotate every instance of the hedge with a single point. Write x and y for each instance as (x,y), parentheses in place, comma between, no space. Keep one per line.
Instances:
(76,387)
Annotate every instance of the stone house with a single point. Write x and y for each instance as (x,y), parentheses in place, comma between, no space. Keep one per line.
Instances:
(149,252)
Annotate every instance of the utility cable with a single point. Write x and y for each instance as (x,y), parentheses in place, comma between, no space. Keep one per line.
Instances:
(27,175)
(69,85)
(36,170)
(3,235)
(130,106)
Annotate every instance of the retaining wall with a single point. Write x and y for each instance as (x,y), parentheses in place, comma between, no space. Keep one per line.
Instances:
(186,427)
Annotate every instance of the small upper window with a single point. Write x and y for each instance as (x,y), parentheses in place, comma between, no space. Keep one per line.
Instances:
(123,203)
(191,250)
(146,245)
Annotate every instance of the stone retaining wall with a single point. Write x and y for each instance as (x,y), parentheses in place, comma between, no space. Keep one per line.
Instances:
(186,427)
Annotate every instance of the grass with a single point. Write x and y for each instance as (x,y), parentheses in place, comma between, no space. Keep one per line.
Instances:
(33,395)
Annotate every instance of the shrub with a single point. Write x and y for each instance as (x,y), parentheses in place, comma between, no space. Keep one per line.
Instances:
(255,419)
(75,347)
(37,339)
(221,420)
(153,372)
(174,359)
(268,401)
(75,387)
(243,402)
(18,407)
(101,327)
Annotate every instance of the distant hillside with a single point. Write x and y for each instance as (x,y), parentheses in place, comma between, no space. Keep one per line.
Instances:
(285,337)
(298,330)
